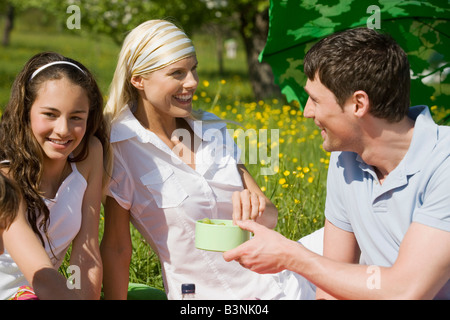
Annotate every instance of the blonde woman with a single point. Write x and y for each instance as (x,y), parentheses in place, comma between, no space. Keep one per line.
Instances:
(173,166)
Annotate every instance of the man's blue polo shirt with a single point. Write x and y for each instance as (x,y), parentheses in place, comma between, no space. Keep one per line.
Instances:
(418,190)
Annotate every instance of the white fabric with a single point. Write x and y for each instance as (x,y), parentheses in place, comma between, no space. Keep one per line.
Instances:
(166,196)
(65,222)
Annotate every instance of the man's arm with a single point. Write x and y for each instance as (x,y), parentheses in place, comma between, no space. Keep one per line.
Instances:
(421,269)
(338,245)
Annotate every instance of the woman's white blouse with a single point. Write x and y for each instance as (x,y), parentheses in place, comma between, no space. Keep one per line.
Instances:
(165,197)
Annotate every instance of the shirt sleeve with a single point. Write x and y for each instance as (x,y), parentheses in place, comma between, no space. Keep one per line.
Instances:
(335,211)
(121,186)
(435,208)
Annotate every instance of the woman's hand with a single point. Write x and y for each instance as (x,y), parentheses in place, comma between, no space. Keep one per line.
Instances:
(252,204)
(247,205)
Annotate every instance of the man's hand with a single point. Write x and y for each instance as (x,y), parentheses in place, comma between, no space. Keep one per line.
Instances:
(267,252)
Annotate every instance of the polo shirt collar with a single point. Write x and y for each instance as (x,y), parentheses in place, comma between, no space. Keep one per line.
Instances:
(424,140)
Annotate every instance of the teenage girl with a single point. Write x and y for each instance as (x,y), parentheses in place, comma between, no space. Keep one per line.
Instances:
(52,142)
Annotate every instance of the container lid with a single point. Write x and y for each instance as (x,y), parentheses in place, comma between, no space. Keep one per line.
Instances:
(188,288)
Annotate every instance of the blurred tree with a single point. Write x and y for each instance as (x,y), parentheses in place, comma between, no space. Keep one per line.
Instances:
(251,19)
(8,8)
(115,18)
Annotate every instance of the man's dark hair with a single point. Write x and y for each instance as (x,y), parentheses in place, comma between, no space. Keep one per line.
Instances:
(363,59)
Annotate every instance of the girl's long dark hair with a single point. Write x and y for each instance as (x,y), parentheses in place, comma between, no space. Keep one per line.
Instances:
(20,152)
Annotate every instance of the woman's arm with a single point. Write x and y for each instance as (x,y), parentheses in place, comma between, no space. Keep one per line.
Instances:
(85,247)
(116,251)
(252,203)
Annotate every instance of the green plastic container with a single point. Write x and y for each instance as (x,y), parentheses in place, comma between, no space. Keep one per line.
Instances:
(219,235)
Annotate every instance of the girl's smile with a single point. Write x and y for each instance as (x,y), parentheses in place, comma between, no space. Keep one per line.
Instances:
(58,117)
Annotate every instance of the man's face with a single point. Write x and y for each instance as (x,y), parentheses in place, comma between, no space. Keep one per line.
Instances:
(336,122)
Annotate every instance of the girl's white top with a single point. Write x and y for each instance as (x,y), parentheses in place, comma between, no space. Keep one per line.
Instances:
(166,197)
(65,222)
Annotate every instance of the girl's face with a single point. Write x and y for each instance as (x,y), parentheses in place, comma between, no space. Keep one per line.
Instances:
(58,117)
(170,89)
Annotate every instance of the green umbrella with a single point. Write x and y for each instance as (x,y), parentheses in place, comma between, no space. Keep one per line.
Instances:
(422,28)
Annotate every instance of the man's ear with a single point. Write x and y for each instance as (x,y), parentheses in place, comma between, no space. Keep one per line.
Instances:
(137,82)
(361,103)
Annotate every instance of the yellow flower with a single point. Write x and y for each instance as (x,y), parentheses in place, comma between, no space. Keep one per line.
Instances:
(282,181)
(263,189)
(223,81)
(310,179)
(206,83)
(286,173)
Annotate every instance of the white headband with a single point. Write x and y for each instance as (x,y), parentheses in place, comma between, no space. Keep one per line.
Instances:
(162,45)
(53,63)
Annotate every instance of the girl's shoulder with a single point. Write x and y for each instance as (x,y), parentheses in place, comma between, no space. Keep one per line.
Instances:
(95,146)
(94,160)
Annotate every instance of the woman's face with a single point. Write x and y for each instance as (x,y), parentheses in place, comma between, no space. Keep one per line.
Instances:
(58,117)
(170,90)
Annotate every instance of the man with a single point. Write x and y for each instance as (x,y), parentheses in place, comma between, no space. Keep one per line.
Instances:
(387,228)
